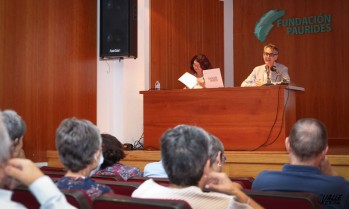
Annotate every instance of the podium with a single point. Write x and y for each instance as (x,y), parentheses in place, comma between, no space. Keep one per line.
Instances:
(243,118)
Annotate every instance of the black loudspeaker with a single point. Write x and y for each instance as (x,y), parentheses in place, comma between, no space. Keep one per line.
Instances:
(118,29)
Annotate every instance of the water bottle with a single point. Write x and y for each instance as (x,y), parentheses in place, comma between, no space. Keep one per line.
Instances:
(157,85)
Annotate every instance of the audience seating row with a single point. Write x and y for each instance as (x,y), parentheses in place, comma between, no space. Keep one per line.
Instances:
(124,189)
(245,182)
(114,201)
(270,200)
(75,197)
(79,199)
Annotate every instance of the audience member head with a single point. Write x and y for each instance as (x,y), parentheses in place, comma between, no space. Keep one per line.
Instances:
(217,157)
(112,149)
(78,143)
(307,139)
(185,153)
(16,129)
(5,147)
(199,63)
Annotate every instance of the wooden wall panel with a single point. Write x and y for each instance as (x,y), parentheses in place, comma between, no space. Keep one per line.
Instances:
(179,30)
(318,62)
(48,66)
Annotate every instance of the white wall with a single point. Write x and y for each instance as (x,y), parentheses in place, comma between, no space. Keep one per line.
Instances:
(119,104)
(228,44)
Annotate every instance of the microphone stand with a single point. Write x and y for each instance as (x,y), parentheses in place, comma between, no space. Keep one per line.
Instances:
(269,83)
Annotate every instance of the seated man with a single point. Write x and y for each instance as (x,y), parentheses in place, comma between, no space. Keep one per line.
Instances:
(185,154)
(16,129)
(309,169)
(25,171)
(156,169)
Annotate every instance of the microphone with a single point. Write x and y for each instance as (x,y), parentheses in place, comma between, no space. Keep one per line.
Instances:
(274,69)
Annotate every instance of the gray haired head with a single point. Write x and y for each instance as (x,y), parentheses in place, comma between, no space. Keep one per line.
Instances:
(185,150)
(5,144)
(77,142)
(14,123)
(216,147)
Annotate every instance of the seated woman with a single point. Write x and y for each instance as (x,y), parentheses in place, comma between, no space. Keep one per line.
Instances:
(198,64)
(79,147)
(113,152)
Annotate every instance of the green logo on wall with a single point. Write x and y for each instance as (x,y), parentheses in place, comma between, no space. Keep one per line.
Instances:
(265,24)
(294,26)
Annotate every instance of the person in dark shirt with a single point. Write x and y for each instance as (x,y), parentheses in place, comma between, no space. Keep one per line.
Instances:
(309,169)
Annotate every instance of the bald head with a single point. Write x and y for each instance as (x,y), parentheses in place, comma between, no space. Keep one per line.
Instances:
(308,138)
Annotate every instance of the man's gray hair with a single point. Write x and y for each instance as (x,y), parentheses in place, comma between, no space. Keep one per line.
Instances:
(5,144)
(14,123)
(185,150)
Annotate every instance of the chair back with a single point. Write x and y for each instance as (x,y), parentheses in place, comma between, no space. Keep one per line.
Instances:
(141,179)
(50,168)
(285,200)
(107,177)
(54,174)
(245,182)
(22,195)
(118,201)
(77,198)
(121,187)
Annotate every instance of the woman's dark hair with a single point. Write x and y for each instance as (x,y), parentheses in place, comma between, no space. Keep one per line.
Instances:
(113,150)
(202,60)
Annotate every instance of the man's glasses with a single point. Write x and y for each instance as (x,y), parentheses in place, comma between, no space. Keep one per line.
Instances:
(269,54)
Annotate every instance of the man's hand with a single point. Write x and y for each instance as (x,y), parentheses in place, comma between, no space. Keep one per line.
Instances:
(260,83)
(220,182)
(326,168)
(23,170)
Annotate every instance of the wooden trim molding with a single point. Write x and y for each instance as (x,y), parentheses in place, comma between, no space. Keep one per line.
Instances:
(238,164)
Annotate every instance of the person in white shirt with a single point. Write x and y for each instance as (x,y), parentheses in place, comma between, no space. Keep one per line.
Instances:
(154,170)
(185,154)
(25,171)
(270,72)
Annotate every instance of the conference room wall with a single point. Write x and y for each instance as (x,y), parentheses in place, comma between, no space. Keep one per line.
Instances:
(179,29)
(48,66)
(47,76)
